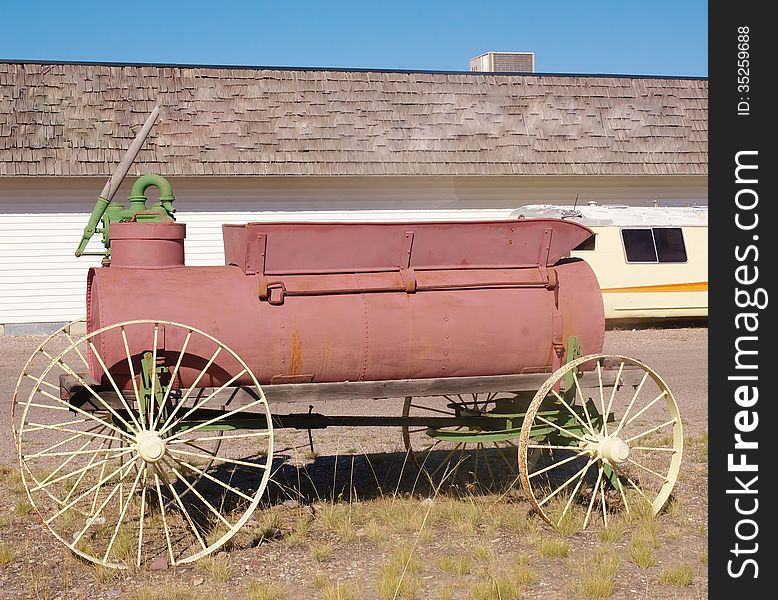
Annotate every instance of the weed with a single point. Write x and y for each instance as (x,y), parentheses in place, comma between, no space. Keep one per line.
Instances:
(217,567)
(23,507)
(615,530)
(7,555)
(340,591)
(595,580)
(395,582)
(553,547)
(496,588)
(523,573)
(257,590)
(641,551)
(482,553)
(704,557)
(454,565)
(321,552)
(678,576)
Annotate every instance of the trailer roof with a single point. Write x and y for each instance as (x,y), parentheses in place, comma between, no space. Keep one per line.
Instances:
(620,215)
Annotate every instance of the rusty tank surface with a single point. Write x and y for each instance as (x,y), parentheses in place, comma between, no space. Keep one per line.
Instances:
(326,302)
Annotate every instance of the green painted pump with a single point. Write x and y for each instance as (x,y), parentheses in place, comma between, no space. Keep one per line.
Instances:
(107,211)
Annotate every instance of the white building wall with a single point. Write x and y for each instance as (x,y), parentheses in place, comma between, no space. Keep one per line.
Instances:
(42,219)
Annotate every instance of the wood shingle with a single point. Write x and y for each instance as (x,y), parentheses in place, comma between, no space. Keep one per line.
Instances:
(78,119)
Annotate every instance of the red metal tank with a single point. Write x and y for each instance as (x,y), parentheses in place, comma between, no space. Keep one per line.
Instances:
(321,302)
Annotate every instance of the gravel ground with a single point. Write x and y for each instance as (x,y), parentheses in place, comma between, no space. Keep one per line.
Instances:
(42,568)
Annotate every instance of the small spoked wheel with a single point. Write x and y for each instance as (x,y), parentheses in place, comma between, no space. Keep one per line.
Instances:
(603,448)
(478,444)
(144,451)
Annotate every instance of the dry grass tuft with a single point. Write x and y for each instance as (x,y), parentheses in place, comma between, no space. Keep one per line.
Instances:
(496,588)
(396,581)
(553,547)
(340,590)
(454,565)
(321,551)
(7,555)
(678,576)
(257,590)
(596,576)
(523,573)
(217,567)
(23,507)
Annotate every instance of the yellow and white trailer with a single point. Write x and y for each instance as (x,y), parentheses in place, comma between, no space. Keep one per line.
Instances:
(651,262)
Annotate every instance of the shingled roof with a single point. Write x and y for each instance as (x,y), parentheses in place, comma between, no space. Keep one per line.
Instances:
(78,119)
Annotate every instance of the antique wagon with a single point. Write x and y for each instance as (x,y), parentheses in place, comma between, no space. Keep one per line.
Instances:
(150,438)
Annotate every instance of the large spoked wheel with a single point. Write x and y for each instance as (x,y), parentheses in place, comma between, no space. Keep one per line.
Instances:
(602,448)
(143,465)
(482,453)
(39,360)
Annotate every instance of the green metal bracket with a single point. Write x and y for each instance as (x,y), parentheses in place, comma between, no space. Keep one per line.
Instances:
(106,212)
(572,352)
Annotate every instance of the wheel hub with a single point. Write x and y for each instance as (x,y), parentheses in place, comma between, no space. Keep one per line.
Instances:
(151,447)
(614,450)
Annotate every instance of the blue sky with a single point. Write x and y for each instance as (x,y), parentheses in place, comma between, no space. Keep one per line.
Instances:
(650,38)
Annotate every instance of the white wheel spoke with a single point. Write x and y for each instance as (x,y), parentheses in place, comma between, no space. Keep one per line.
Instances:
(647,470)
(93,518)
(621,491)
(79,452)
(222,459)
(142,515)
(604,507)
(97,396)
(48,384)
(186,395)
(152,394)
(203,402)
(72,503)
(164,519)
(551,447)
(122,514)
(580,473)
(606,411)
(114,386)
(181,507)
(593,498)
(74,345)
(76,432)
(556,464)
(646,407)
(173,375)
(132,375)
(649,431)
(227,487)
(63,477)
(631,403)
(654,449)
(581,396)
(564,431)
(571,498)
(221,417)
(226,436)
(84,413)
(208,505)
(641,492)
(54,446)
(572,412)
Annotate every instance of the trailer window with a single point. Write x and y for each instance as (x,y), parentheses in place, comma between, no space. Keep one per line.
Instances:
(660,244)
